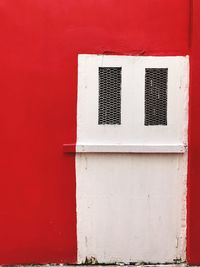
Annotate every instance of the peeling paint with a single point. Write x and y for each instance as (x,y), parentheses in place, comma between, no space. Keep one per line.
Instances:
(91,261)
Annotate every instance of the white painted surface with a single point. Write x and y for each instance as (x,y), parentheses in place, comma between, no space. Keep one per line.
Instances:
(132,129)
(131,207)
(130,148)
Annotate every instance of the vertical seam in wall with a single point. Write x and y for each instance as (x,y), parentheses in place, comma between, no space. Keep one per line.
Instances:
(74,155)
(190,28)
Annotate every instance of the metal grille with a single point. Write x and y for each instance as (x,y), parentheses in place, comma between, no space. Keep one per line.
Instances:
(156,80)
(109,95)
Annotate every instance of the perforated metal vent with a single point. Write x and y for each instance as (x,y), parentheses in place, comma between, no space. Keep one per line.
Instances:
(109,95)
(156,96)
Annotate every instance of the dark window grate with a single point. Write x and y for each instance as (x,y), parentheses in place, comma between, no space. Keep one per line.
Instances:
(156,80)
(109,95)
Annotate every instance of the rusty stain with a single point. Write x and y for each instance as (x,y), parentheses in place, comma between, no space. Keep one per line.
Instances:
(177,241)
(86,162)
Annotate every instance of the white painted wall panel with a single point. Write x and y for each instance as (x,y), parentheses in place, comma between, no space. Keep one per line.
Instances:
(132,129)
(131,207)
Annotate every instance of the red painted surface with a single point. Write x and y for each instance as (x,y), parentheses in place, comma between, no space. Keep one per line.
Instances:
(193,208)
(69,148)
(40,40)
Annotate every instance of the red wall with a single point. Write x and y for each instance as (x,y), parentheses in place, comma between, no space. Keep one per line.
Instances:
(193,209)
(40,40)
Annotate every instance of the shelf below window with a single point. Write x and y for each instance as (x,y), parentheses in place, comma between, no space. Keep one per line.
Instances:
(121,148)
